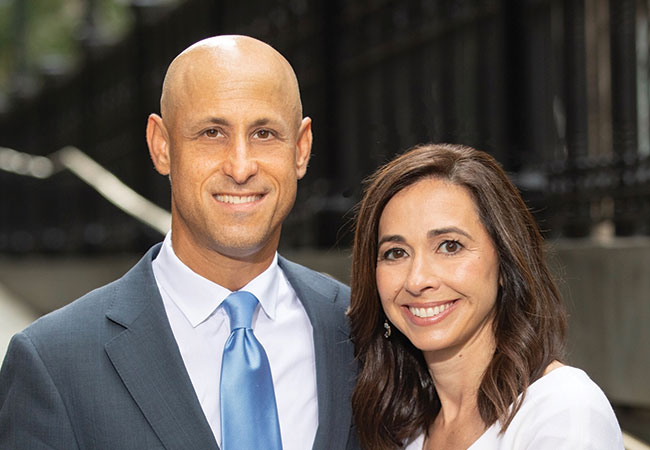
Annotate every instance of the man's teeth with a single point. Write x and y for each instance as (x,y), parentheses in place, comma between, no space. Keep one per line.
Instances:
(237,199)
(429,312)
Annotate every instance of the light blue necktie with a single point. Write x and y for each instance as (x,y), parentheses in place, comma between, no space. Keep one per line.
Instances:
(249,416)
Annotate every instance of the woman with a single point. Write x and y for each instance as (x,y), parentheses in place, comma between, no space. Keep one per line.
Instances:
(457,323)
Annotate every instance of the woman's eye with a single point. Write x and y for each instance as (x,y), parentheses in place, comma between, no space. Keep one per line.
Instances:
(393,254)
(450,247)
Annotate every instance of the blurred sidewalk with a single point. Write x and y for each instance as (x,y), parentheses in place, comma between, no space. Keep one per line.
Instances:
(14,316)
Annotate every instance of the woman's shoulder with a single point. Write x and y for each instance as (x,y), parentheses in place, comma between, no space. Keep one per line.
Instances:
(565,409)
(415,444)
(566,387)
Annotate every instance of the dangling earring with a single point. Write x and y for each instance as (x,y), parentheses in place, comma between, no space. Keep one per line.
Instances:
(387,328)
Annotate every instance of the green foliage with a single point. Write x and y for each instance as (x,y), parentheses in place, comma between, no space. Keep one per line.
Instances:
(50,32)
(5,43)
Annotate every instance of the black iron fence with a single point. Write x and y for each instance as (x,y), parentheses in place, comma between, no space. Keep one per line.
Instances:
(556,90)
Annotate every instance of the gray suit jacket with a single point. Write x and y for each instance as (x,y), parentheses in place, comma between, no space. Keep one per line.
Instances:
(104,372)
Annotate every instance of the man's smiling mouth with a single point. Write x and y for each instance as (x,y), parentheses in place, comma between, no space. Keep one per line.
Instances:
(237,199)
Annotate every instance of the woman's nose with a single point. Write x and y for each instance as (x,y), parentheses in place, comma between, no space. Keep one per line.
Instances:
(422,275)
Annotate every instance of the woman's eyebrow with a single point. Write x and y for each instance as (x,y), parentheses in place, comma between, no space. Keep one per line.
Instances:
(438,231)
(390,238)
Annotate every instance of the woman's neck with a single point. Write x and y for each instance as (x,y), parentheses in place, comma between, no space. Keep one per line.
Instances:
(457,374)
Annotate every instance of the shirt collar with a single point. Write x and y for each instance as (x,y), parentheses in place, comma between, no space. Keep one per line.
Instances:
(198,298)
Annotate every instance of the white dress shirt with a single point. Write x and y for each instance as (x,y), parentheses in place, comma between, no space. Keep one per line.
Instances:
(201,327)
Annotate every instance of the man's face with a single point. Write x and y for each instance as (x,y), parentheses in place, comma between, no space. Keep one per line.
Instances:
(236,151)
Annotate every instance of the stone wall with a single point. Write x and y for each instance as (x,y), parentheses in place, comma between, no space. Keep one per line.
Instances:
(606,287)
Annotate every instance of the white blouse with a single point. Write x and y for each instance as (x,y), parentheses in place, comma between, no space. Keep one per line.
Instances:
(563,410)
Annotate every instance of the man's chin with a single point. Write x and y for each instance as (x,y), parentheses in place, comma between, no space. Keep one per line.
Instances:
(245,248)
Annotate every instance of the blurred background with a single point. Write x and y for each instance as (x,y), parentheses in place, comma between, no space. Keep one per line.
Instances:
(557,90)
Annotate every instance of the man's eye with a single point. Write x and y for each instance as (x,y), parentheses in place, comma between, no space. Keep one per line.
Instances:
(263,134)
(450,247)
(212,132)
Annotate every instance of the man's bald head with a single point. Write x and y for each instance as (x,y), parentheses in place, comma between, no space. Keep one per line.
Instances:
(234,144)
(229,56)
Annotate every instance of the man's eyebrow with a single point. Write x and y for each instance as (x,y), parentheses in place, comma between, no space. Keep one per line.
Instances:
(445,230)
(201,123)
(276,123)
(222,121)
(217,121)
(262,121)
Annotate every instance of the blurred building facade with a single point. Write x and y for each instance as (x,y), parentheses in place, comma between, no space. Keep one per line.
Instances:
(557,90)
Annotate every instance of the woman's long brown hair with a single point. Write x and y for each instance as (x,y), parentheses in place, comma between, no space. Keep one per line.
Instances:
(394,399)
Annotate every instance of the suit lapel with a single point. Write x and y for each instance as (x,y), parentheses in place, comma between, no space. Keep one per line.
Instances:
(146,357)
(335,366)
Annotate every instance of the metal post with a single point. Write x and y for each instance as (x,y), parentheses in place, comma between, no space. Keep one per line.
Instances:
(575,97)
(575,88)
(624,108)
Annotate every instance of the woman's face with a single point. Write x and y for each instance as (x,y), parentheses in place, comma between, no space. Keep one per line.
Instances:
(437,269)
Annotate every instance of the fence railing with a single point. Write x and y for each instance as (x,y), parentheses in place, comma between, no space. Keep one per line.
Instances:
(93,175)
(553,89)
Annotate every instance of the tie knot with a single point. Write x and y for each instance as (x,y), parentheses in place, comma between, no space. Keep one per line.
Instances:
(240,307)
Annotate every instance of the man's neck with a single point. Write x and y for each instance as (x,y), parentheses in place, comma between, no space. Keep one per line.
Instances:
(226,268)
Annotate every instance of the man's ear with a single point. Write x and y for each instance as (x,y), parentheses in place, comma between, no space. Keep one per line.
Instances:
(303,147)
(158,142)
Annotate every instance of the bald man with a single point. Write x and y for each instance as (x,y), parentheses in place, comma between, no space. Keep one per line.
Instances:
(137,364)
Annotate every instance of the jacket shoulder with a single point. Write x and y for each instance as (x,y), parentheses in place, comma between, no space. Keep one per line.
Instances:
(88,312)
(304,277)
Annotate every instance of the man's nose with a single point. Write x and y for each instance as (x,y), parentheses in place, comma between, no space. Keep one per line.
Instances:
(240,164)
